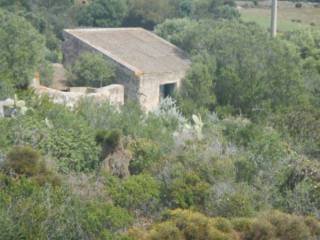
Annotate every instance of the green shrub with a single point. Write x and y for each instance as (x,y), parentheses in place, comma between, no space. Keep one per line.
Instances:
(197,90)
(100,216)
(188,191)
(109,140)
(223,225)
(186,224)
(103,13)
(242,224)
(235,204)
(246,75)
(30,211)
(196,226)
(245,170)
(140,192)
(131,121)
(278,225)
(302,124)
(5,138)
(264,144)
(289,226)
(166,230)
(24,161)
(6,89)
(261,230)
(299,187)
(56,131)
(21,58)
(91,70)
(74,148)
(144,153)
(313,225)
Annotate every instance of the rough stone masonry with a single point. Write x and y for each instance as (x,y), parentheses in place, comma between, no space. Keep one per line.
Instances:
(149,67)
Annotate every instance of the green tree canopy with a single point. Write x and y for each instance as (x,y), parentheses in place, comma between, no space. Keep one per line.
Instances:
(253,72)
(199,84)
(307,42)
(103,13)
(31,4)
(182,32)
(214,9)
(91,70)
(21,50)
(148,13)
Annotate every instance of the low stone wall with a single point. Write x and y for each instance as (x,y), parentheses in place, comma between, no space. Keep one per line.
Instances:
(114,94)
(6,103)
(11,107)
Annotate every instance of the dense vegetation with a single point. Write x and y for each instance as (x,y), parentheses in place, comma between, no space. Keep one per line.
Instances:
(234,155)
(90,70)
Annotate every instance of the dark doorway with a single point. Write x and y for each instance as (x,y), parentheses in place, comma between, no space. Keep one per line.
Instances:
(167,90)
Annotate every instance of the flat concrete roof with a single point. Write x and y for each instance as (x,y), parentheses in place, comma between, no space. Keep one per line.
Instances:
(136,48)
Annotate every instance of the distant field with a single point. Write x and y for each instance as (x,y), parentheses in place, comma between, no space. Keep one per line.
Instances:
(287,17)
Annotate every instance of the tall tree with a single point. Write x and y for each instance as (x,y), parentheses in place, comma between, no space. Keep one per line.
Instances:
(148,13)
(198,86)
(21,50)
(91,70)
(103,13)
(253,72)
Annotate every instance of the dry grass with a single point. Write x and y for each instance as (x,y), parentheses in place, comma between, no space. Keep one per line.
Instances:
(288,18)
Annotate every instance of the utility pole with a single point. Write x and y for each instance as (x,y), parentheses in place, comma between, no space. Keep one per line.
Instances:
(274,13)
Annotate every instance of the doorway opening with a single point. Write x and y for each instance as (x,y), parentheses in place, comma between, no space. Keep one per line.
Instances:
(167,90)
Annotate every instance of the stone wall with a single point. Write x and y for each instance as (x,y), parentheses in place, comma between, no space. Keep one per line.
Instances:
(149,93)
(5,103)
(140,87)
(73,48)
(114,94)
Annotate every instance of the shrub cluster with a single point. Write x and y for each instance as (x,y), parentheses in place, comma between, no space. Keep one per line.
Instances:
(185,224)
(27,162)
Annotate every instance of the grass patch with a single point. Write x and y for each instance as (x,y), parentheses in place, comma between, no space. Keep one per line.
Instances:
(288,18)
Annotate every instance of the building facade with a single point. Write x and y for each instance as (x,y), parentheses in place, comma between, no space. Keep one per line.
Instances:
(148,67)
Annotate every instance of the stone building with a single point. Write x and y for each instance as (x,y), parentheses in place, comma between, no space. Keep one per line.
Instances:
(148,67)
